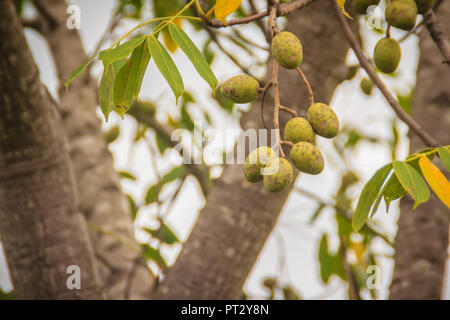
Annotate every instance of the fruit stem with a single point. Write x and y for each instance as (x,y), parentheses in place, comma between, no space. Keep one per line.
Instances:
(289,110)
(308,86)
(276,111)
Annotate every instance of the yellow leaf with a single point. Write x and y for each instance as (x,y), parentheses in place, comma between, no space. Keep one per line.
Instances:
(168,42)
(436,179)
(341,4)
(224,8)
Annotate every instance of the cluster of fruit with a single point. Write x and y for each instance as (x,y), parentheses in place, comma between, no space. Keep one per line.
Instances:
(263,163)
(401,14)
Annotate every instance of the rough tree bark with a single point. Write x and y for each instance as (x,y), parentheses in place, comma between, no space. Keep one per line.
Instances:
(422,239)
(42,230)
(101,199)
(238,217)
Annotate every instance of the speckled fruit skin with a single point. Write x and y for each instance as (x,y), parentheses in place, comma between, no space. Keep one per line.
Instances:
(401,14)
(287,50)
(361,6)
(366,86)
(387,55)
(256,160)
(298,129)
(279,180)
(424,5)
(307,158)
(323,120)
(240,89)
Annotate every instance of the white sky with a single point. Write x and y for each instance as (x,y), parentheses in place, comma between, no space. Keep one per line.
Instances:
(299,239)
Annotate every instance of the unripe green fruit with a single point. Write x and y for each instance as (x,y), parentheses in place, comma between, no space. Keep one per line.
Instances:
(323,120)
(361,6)
(366,86)
(299,129)
(287,50)
(307,158)
(424,5)
(387,55)
(240,89)
(256,160)
(401,14)
(277,175)
(225,103)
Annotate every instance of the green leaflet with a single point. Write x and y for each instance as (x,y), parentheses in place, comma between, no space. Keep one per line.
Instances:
(153,192)
(164,233)
(194,54)
(412,182)
(128,80)
(445,156)
(106,91)
(166,66)
(368,196)
(392,191)
(120,52)
(78,71)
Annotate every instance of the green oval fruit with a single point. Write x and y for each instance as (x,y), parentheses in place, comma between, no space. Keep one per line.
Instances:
(366,86)
(424,5)
(299,129)
(287,50)
(307,158)
(323,120)
(225,103)
(240,89)
(361,6)
(401,14)
(387,55)
(256,160)
(277,175)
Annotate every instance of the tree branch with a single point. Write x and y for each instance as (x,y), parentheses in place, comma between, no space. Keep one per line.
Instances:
(438,34)
(413,125)
(283,10)
(200,171)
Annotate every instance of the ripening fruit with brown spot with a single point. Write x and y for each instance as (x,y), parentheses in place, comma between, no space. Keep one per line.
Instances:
(278,175)
(401,14)
(366,86)
(287,50)
(299,129)
(424,5)
(256,160)
(307,158)
(240,89)
(361,6)
(323,120)
(387,55)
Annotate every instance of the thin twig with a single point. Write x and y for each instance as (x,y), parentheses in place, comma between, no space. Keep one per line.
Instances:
(228,54)
(283,10)
(308,86)
(259,22)
(342,212)
(289,110)
(438,34)
(413,125)
(276,111)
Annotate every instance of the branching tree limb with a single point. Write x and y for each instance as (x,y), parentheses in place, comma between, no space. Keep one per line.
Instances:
(424,136)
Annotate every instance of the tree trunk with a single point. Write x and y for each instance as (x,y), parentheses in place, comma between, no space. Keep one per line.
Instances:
(239,216)
(43,233)
(101,199)
(422,239)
